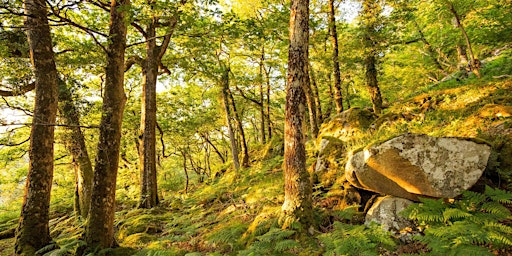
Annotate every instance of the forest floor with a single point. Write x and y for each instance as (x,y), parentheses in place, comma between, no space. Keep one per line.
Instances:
(238,213)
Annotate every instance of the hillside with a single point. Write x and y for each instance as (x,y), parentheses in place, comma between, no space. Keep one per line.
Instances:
(237,213)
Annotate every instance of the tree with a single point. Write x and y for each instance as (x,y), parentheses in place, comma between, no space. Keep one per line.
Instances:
(33,232)
(100,225)
(474,63)
(371,25)
(150,65)
(298,191)
(227,111)
(78,149)
(338,98)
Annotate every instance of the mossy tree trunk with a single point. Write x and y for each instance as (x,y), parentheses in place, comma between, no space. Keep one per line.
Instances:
(298,191)
(78,149)
(371,13)
(99,230)
(33,232)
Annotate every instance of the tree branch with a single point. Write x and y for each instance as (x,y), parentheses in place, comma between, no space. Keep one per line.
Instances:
(21,91)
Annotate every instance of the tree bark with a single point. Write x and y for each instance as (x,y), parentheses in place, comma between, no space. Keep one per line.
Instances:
(298,191)
(148,195)
(99,230)
(78,149)
(147,145)
(225,100)
(33,232)
(338,96)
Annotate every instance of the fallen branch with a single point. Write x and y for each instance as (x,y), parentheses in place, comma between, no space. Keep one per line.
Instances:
(502,76)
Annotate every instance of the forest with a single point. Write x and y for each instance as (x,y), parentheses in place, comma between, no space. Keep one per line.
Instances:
(241,127)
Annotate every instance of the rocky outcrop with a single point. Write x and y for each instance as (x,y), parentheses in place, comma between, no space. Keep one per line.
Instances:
(386,212)
(412,164)
(348,125)
(341,128)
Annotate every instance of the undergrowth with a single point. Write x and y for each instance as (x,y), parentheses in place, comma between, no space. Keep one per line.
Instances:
(477,224)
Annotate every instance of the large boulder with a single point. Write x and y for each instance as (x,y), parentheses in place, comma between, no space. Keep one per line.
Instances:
(386,212)
(414,164)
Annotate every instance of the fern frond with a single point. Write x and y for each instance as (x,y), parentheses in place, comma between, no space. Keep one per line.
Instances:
(500,240)
(453,214)
(275,234)
(502,196)
(285,245)
(474,198)
(466,250)
(499,227)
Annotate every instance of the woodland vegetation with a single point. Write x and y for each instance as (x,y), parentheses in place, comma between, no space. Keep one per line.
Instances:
(189,127)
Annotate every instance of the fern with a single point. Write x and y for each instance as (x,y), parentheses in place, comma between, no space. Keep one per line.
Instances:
(469,226)
(347,239)
(501,196)
(275,242)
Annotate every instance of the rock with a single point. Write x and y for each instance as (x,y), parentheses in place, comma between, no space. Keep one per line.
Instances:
(386,212)
(331,142)
(414,164)
(347,125)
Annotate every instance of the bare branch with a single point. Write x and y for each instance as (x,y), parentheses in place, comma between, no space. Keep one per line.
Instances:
(56,125)
(22,90)
(15,144)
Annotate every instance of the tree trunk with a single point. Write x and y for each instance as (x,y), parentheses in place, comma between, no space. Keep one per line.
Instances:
(269,122)
(316,96)
(370,13)
(262,99)
(298,191)
(78,149)
(185,170)
(99,230)
(225,100)
(463,57)
(33,232)
(372,83)
(205,137)
(338,97)
(147,150)
(313,119)
(149,196)
(328,112)
(474,63)
(238,123)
